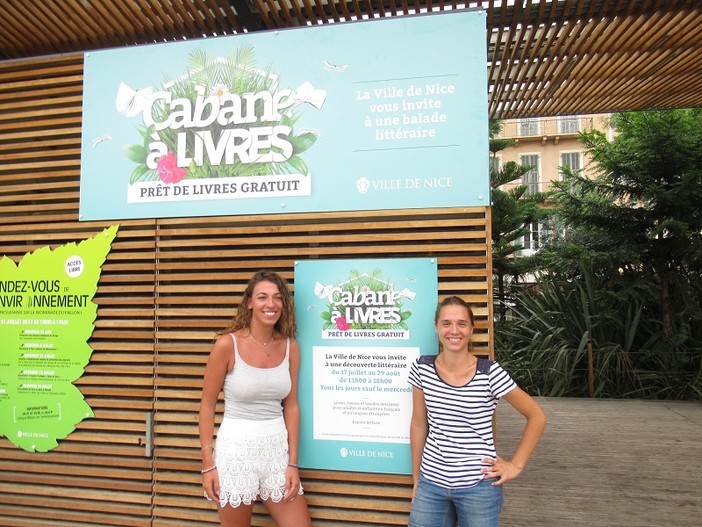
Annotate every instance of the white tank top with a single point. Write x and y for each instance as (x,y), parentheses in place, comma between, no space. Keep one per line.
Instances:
(254,393)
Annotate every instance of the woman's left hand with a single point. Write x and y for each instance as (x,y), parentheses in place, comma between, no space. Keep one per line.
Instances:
(292,483)
(502,469)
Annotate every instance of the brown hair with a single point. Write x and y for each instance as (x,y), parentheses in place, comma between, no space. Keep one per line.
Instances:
(286,325)
(454,301)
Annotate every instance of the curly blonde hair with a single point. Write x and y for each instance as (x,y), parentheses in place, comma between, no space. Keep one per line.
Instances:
(286,324)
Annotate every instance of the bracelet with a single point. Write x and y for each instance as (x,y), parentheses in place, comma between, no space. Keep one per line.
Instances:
(294,465)
(208,446)
(213,467)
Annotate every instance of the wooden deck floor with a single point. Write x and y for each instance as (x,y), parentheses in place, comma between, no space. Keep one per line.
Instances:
(607,463)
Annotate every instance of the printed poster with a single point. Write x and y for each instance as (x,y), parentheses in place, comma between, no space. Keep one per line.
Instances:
(366,115)
(361,323)
(46,318)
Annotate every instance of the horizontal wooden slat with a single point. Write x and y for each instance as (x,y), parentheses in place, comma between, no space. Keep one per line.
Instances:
(543,57)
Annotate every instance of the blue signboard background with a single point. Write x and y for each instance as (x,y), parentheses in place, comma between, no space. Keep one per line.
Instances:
(387,114)
(361,323)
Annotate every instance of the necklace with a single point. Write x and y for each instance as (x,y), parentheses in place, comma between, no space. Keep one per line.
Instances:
(261,345)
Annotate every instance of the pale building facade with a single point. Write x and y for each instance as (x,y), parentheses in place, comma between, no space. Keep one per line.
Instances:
(547,144)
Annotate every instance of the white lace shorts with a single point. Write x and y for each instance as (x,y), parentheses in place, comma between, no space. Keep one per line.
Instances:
(252,459)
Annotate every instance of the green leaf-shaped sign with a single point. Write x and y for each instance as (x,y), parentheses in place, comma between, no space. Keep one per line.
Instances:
(46,319)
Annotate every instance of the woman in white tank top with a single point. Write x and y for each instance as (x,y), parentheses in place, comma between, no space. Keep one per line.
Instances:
(255,362)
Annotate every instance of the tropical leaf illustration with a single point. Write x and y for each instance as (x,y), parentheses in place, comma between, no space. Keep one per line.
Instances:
(208,76)
(363,283)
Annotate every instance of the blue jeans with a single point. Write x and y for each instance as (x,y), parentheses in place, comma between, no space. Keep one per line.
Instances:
(435,506)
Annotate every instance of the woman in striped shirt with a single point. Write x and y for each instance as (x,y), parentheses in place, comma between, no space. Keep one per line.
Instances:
(456,471)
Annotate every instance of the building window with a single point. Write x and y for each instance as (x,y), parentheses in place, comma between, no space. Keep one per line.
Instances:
(528,126)
(569,124)
(495,163)
(531,178)
(531,240)
(572,160)
(539,234)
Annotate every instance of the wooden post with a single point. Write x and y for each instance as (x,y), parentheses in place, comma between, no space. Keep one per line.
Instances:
(590,371)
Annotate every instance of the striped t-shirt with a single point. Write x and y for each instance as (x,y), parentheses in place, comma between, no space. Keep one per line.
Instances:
(460,421)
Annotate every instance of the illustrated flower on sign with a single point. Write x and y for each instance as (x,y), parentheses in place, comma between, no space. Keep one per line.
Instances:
(342,325)
(168,169)
(220,90)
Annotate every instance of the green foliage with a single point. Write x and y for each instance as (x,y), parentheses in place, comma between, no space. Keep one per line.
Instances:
(645,197)
(513,211)
(545,342)
(548,333)
(626,276)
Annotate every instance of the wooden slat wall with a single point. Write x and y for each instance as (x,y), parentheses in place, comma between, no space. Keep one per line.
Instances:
(203,265)
(166,287)
(100,470)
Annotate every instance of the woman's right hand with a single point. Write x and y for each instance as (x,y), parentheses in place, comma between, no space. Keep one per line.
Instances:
(210,484)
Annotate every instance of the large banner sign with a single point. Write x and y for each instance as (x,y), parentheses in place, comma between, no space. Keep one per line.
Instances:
(46,318)
(361,324)
(357,116)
